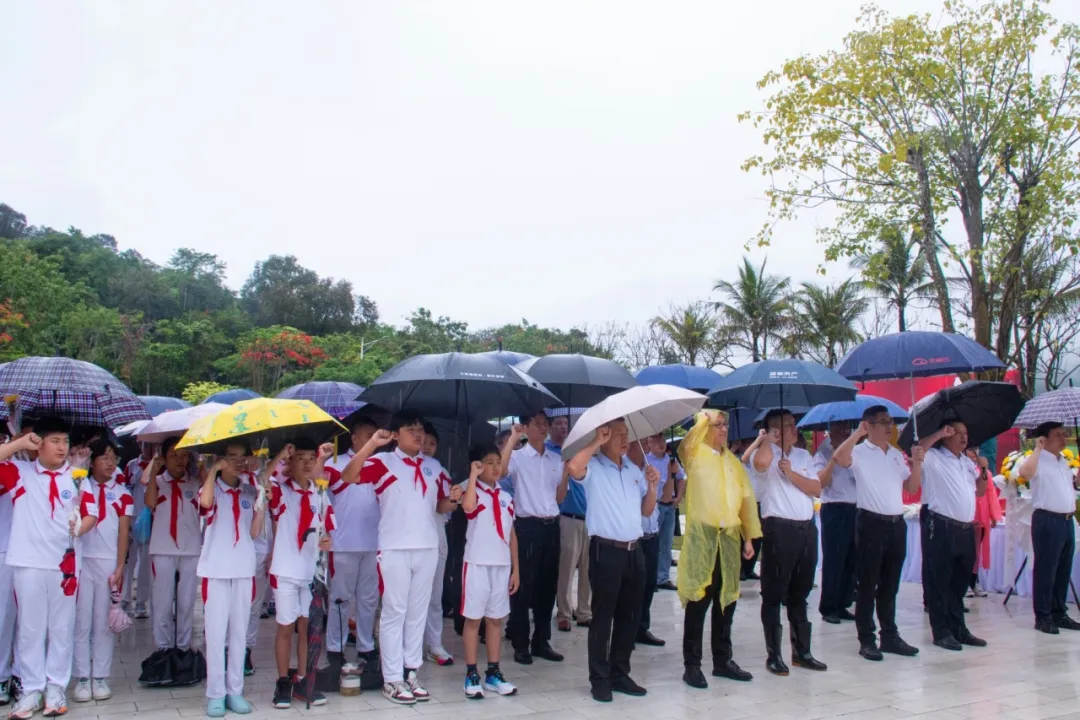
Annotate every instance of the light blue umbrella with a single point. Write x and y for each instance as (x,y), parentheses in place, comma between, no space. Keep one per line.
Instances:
(820,416)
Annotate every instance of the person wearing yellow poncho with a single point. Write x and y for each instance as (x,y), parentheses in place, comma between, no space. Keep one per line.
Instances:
(721,520)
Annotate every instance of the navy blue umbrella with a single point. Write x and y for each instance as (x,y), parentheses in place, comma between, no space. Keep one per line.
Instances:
(508,356)
(851,411)
(916,354)
(781,384)
(797,410)
(228,397)
(741,424)
(335,398)
(690,377)
(157,404)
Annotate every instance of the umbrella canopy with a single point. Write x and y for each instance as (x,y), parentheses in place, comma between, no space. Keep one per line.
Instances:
(458,386)
(916,354)
(507,356)
(740,424)
(647,409)
(579,380)
(818,418)
(263,420)
(690,377)
(781,383)
(796,410)
(228,397)
(157,404)
(176,422)
(336,398)
(1061,406)
(79,392)
(986,408)
(132,428)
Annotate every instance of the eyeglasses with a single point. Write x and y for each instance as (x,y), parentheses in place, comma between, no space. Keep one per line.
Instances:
(884,423)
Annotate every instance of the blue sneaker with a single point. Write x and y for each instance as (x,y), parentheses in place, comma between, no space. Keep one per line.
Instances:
(495,682)
(215,707)
(237,704)
(473,689)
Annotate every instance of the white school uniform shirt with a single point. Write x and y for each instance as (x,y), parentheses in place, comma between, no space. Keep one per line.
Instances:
(408,489)
(779,498)
(356,509)
(879,478)
(296,550)
(1052,487)
(43,501)
(176,529)
(951,480)
(7,508)
(228,551)
(613,495)
(487,539)
(264,542)
(842,487)
(536,477)
(113,501)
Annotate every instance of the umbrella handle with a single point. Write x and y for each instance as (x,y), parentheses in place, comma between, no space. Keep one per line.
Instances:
(914,415)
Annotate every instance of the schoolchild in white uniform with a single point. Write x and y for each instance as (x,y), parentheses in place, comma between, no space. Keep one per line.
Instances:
(264,543)
(434,628)
(104,553)
(227,568)
(45,497)
(137,570)
(411,489)
(293,508)
(175,543)
(8,609)
(354,587)
(490,573)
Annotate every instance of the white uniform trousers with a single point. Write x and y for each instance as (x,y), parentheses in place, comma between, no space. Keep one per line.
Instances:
(262,587)
(8,612)
(355,583)
(164,569)
(226,611)
(46,628)
(92,633)
(406,578)
(137,573)
(434,626)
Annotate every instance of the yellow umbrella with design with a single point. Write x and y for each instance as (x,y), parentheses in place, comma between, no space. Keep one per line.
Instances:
(269,422)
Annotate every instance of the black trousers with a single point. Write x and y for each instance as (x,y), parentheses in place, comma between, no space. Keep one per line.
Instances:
(455,559)
(882,543)
(617,577)
(538,570)
(650,547)
(924,514)
(694,624)
(1053,542)
(948,549)
(748,564)
(837,557)
(789,555)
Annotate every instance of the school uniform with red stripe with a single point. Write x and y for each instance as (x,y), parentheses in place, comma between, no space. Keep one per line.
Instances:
(296,546)
(485,576)
(137,570)
(175,545)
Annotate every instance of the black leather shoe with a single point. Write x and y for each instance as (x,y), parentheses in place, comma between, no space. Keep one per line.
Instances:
(666,586)
(845,614)
(601,692)
(831,619)
(627,686)
(776,665)
(584,623)
(966,638)
(545,652)
(752,576)
(896,646)
(731,671)
(1045,625)
(869,650)
(1066,623)
(948,643)
(523,657)
(695,678)
(808,662)
(644,637)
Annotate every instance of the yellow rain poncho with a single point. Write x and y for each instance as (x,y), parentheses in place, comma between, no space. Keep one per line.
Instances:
(721,512)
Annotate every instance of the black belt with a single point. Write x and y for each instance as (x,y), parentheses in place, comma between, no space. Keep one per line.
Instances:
(883,518)
(649,536)
(1063,516)
(542,520)
(665,504)
(949,521)
(792,523)
(616,543)
(573,516)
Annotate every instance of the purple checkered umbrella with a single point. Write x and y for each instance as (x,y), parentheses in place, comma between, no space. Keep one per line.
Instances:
(79,392)
(1061,406)
(334,398)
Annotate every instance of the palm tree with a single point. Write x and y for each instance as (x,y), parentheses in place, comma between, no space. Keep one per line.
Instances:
(824,320)
(895,271)
(756,308)
(691,329)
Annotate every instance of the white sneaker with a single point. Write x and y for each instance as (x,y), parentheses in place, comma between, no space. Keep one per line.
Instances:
(28,704)
(495,682)
(979,592)
(83,692)
(101,689)
(417,690)
(55,701)
(398,693)
(440,656)
(474,690)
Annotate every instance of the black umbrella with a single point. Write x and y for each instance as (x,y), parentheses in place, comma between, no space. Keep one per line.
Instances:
(986,408)
(458,386)
(579,380)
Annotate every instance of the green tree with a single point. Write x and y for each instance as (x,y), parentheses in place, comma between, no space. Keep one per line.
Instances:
(694,333)
(824,319)
(199,281)
(12,223)
(756,310)
(34,288)
(196,392)
(894,272)
(280,291)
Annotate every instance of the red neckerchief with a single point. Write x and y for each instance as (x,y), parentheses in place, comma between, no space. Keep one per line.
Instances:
(174,508)
(496,509)
(418,477)
(307,513)
(235,492)
(54,491)
(101,503)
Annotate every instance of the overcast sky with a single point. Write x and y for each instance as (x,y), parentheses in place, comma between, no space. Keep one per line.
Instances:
(565,162)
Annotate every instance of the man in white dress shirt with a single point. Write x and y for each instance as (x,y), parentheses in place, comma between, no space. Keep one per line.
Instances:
(1053,537)
(789,549)
(881,476)
(951,484)
(837,529)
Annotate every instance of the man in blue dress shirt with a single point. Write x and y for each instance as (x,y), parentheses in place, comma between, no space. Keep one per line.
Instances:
(573,544)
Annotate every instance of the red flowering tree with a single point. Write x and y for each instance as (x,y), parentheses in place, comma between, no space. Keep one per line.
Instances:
(9,321)
(268,354)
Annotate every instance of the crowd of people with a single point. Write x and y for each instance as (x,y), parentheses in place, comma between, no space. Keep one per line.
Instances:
(534,523)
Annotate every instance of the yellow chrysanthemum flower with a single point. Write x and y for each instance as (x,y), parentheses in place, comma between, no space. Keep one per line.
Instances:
(322,484)
(79,473)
